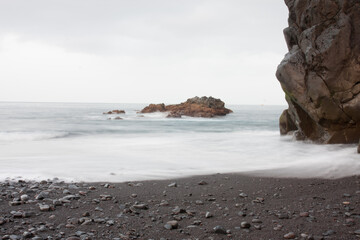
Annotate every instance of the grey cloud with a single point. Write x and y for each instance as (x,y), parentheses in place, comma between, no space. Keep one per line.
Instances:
(148,27)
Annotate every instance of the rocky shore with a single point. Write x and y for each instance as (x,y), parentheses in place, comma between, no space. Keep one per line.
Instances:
(320,73)
(220,206)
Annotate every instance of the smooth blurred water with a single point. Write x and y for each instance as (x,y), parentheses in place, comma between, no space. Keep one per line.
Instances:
(75,141)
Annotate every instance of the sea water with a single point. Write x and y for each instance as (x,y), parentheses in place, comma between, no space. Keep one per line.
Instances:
(77,142)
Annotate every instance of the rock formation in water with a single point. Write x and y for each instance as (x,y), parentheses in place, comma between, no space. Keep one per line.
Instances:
(194,107)
(115,112)
(320,74)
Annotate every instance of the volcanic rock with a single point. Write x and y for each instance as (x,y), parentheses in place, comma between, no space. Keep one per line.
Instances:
(194,107)
(154,108)
(115,112)
(320,74)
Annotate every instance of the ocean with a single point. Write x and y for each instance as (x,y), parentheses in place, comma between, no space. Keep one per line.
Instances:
(77,142)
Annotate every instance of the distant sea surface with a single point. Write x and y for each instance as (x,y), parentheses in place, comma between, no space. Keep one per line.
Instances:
(76,142)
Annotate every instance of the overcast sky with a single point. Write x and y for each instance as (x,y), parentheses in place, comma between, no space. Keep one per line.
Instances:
(141,51)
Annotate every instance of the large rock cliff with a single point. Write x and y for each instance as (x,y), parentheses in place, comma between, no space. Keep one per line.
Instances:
(320,74)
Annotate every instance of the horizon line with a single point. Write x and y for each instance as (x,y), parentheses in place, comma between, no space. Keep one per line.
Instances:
(249,104)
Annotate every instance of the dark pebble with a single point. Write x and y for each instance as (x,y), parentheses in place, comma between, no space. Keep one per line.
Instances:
(219,229)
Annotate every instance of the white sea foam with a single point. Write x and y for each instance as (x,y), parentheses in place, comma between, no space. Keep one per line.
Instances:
(6,137)
(153,147)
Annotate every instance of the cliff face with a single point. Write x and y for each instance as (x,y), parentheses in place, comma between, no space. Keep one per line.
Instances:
(320,74)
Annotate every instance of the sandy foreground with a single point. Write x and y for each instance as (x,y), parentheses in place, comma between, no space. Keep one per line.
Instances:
(220,206)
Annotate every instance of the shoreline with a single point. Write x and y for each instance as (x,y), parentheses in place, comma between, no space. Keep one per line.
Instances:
(217,206)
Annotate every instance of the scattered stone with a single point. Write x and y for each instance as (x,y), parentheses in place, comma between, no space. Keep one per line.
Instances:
(171,225)
(178,210)
(328,232)
(283,216)
(256,220)
(199,202)
(27,234)
(106,197)
(242,214)
(70,197)
(174,184)
(24,198)
(245,225)
(141,206)
(44,207)
(202,182)
(2,221)
(304,214)
(208,215)
(290,235)
(16,214)
(259,200)
(257,227)
(42,195)
(15,203)
(278,227)
(164,203)
(243,195)
(219,230)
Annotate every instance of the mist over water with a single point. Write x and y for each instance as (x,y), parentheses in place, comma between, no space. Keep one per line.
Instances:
(77,142)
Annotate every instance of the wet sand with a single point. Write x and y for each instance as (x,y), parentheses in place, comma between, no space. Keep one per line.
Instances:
(220,206)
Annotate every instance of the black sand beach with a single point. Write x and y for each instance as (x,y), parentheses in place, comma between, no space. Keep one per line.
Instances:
(220,206)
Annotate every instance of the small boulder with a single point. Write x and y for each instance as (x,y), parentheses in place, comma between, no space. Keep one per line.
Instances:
(219,230)
(171,225)
(290,235)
